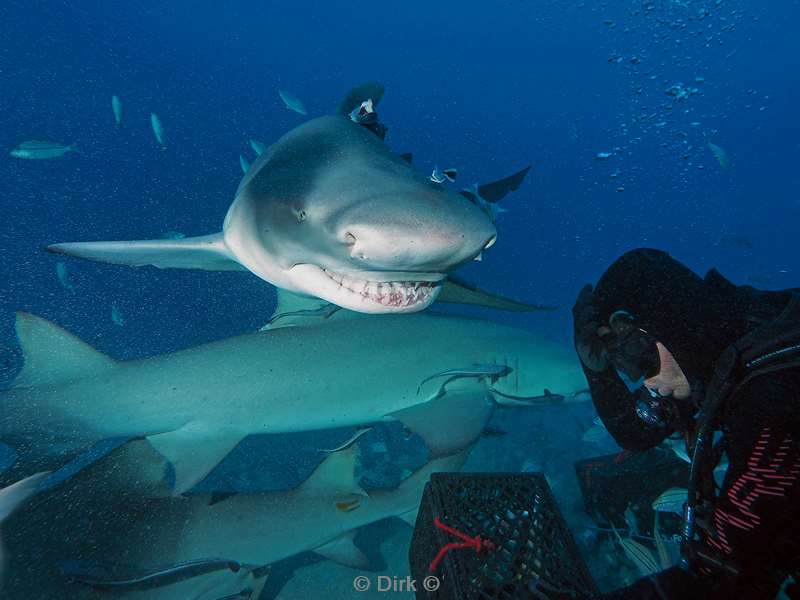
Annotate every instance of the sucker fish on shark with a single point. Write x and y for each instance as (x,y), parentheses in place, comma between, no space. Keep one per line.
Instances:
(330,212)
(328,374)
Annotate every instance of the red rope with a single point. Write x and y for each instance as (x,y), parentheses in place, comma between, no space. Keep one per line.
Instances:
(469,542)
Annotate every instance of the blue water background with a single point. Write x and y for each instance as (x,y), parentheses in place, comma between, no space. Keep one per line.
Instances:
(485,87)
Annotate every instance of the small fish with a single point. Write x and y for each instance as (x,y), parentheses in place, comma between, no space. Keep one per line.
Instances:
(671,500)
(38,150)
(348,506)
(158,578)
(678,448)
(661,547)
(116,106)
(364,114)
(720,155)
(324,311)
(595,434)
(258,147)
(292,102)
(491,371)
(63,277)
(735,241)
(639,555)
(158,129)
(244,164)
(444,175)
(172,235)
(603,155)
(116,315)
(350,441)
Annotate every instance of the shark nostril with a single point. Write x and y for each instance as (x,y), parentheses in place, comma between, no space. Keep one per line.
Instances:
(349,239)
(490,243)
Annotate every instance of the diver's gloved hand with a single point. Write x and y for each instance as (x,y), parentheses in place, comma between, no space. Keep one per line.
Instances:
(586,322)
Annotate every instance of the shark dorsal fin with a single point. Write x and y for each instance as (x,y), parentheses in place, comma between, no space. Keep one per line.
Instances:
(54,355)
(334,476)
(371,90)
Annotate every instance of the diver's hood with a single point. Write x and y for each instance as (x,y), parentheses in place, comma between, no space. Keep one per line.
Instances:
(695,318)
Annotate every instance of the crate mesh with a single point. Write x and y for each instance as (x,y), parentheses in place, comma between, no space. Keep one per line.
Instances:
(535,554)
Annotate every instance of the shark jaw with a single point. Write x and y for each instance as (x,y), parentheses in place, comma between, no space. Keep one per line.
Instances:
(368,291)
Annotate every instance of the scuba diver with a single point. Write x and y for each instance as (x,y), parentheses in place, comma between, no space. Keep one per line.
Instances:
(668,353)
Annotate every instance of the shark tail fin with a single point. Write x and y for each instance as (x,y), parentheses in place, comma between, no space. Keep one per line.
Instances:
(207,252)
(52,354)
(371,90)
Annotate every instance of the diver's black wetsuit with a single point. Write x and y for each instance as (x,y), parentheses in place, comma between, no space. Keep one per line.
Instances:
(756,518)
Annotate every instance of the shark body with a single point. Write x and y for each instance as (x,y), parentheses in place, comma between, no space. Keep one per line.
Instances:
(196,405)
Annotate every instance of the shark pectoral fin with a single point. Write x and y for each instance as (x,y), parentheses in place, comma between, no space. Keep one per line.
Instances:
(52,354)
(194,450)
(334,476)
(344,551)
(458,291)
(451,421)
(207,252)
(410,517)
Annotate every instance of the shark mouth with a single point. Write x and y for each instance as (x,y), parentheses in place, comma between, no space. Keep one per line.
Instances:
(399,296)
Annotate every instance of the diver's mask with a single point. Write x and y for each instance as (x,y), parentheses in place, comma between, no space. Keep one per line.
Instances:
(630,349)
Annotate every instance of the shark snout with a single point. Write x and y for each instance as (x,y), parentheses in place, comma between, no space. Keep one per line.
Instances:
(436,249)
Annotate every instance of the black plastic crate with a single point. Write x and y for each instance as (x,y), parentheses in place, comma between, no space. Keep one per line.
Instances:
(610,483)
(534,554)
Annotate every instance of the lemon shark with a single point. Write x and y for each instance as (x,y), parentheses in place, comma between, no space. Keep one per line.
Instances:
(195,405)
(331,212)
(104,530)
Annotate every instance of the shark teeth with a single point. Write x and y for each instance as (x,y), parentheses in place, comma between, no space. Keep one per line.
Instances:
(397,294)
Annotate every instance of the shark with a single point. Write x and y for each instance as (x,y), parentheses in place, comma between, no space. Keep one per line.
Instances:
(11,498)
(305,373)
(109,540)
(331,212)
(255,529)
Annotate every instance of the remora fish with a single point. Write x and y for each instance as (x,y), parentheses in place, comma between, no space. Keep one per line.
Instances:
(313,216)
(244,164)
(116,106)
(215,391)
(671,500)
(37,150)
(292,102)
(258,147)
(158,129)
(63,277)
(720,155)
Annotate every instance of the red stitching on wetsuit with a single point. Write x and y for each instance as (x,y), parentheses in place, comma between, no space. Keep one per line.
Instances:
(758,480)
